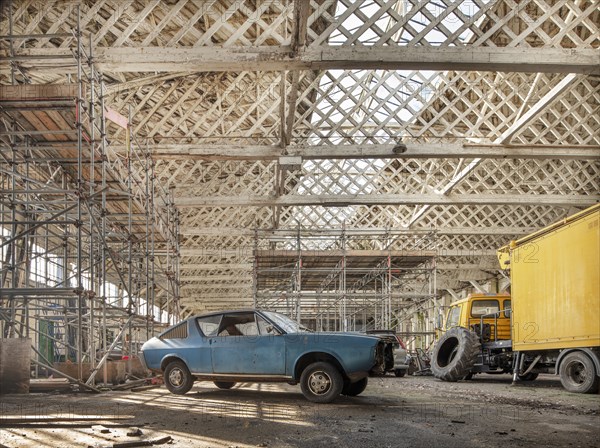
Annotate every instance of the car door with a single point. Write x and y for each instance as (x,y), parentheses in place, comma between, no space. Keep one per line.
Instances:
(244,346)
(199,352)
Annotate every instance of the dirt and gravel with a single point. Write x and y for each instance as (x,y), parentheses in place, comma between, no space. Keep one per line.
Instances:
(392,412)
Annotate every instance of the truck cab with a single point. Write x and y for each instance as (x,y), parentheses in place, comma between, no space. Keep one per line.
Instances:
(490,312)
(474,338)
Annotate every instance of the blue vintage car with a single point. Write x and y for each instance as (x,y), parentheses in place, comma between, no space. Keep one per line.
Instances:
(262,346)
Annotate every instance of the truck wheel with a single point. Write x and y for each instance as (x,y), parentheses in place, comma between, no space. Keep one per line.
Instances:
(528,377)
(354,389)
(321,382)
(178,378)
(578,374)
(455,354)
(224,384)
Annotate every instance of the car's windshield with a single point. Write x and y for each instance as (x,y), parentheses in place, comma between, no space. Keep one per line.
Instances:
(284,322)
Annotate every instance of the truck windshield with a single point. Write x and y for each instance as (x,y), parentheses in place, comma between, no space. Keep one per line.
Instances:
(481,307)
(453,317)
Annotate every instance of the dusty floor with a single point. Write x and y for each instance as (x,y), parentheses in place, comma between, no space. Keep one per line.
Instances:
(392,412)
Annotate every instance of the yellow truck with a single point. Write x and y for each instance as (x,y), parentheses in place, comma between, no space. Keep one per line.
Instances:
(550,322)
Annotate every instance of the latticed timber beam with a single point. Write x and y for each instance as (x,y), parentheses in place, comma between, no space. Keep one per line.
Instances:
(374,151)
(261,58)
(388,199)
(504,138)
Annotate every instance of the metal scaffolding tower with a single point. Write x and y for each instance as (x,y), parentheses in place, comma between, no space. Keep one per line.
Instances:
(89,240)
(344,279)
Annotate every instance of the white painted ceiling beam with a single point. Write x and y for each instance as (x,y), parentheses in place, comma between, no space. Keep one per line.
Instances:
(387,199)
(291,233)
(234,276)
(242,254)
(216,266)
(270,58)
(218,286)
(464,266)
(374,151)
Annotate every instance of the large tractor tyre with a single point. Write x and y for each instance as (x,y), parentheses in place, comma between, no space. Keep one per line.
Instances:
(578,373)
(354,389)
(455,354)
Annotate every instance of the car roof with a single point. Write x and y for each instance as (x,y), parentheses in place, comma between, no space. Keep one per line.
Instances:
(215,313)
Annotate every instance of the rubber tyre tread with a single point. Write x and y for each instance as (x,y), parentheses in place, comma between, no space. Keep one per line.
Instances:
(460,366)
(590,385)
(336,379)
(400,372)
(354,389)
(224,384)
(188,378)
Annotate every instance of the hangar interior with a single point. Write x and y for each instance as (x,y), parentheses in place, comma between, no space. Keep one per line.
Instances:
(354,164)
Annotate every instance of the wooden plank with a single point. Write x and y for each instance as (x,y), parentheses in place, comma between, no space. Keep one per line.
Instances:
(48,384)
(29,92)
(116,117)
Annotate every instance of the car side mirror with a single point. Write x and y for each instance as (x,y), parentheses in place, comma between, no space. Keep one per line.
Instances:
(269,329)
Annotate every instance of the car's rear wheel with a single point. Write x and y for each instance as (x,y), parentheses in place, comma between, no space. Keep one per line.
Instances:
(224,384)
(321,382)
(178,378)
(354,389)
(400,372)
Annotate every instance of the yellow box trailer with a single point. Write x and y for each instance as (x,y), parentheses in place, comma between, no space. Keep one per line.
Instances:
(553,312)
(555,284)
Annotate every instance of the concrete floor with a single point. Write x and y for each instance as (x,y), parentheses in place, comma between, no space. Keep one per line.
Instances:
(392,412)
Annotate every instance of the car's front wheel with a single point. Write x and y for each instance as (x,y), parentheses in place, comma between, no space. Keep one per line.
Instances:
(224,384)
(321,382)
(178,378)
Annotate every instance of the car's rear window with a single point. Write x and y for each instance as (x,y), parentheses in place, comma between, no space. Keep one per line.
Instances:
(178,332)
